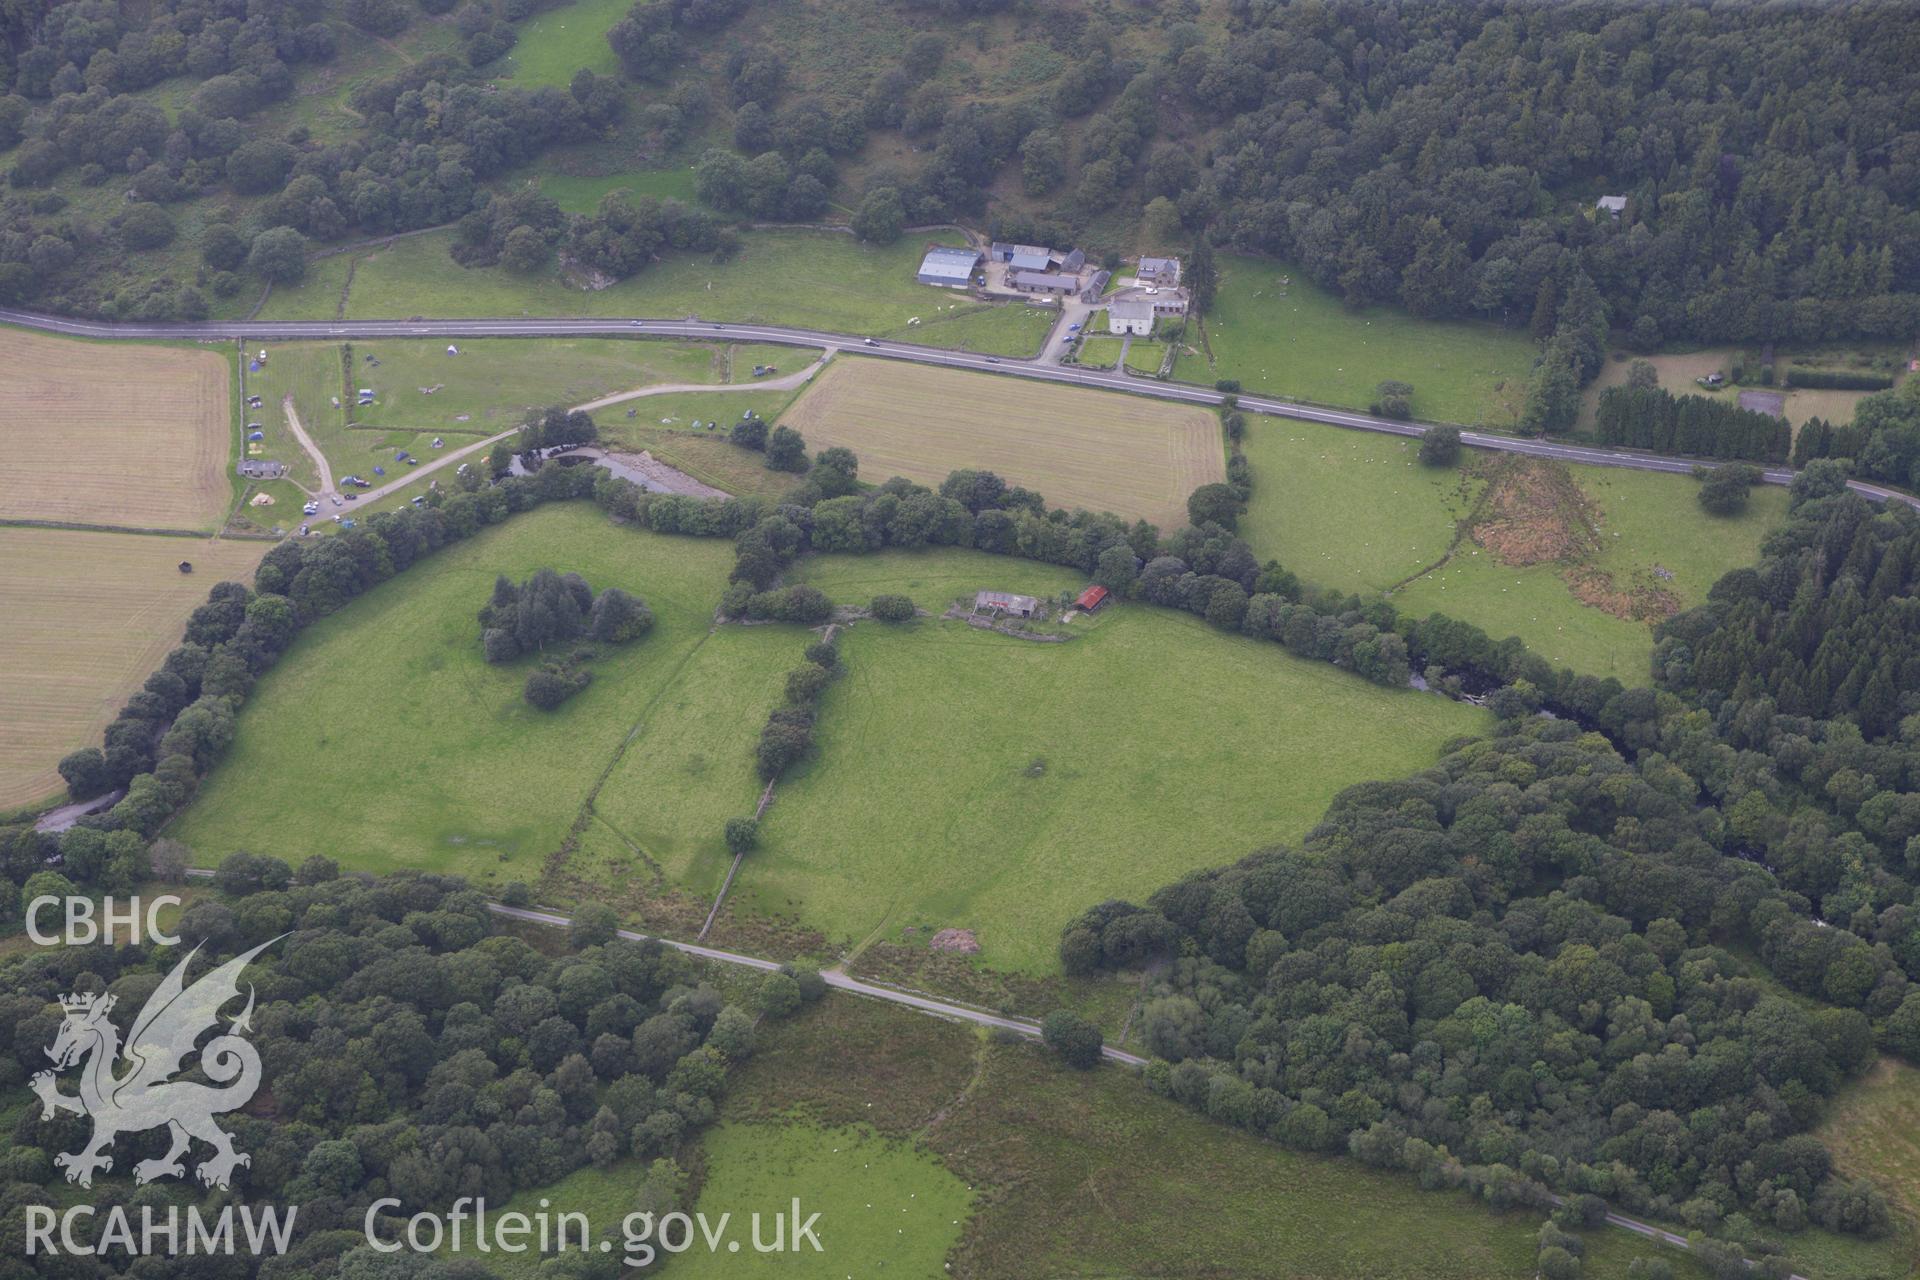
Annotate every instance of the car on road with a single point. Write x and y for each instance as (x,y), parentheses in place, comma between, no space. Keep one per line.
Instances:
(1074,327)
(634,323)
(869,342)
(312,509)
(353,497)
(993,359)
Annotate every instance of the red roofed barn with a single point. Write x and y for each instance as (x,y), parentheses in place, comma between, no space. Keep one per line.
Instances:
(1092,598)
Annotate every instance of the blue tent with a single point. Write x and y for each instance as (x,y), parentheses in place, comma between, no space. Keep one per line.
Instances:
(257,435)
(379,471)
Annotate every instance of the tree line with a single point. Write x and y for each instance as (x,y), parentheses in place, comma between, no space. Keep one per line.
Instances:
(1654,419)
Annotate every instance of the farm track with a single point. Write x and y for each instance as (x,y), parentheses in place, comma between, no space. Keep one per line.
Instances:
(888,349)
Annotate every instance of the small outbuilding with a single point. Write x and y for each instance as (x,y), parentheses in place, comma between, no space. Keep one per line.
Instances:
(1005,602)
(1045,282)
(1614,206)
(262,469)
(1092,598)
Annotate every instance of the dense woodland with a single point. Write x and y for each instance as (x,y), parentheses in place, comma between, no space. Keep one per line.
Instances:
(1561,959)
(1442,156)
(408,1050)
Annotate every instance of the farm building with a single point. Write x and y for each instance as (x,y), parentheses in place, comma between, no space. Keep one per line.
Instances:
(1159,271)
(1005,602)
(1130,315)
(951,268)
(1160,301)
(1045,282)
(1023,257)
(1092,598)
(262,469)
(1614,205)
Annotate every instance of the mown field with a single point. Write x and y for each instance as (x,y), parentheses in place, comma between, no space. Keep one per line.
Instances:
(1355,511)
(385,740)
(114,433)
(1101,450)
(1295,339)
(1873,1130)
(84,619)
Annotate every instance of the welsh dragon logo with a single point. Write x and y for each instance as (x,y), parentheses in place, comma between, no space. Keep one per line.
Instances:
(129,1090)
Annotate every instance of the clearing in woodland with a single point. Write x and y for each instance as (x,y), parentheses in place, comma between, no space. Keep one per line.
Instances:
(114,433)
(84,618)
(1100,450)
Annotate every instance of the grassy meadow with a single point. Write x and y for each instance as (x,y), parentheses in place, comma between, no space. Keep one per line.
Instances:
(809,278)
(410,750)
(995,329)
(1355,511)
(1295,339)
(1024,781)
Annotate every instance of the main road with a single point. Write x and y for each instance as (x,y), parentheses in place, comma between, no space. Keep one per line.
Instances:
(882,348)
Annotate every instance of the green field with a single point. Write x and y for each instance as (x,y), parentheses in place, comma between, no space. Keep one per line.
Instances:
(385,740)
(809,278)
(1355,511)
(555,44)
(1298,340)
(1008,329)
(1024,781)
(582,193)
(492,383)
(886,1208)
(486,389)
(1351,510)
(411,751)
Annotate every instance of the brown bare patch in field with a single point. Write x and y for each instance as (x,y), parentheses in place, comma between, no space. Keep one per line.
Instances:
(1100,450)
(1532,512)
(1641,602)
(84,619)
(114,433)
